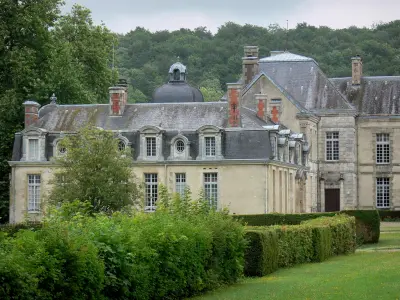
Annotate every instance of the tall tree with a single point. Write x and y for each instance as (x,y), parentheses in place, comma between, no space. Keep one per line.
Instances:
(42,52)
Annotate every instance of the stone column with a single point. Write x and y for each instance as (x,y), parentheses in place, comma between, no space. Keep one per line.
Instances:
(322,194)
(342,195)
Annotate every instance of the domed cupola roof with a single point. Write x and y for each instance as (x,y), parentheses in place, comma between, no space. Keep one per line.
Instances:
(177,90)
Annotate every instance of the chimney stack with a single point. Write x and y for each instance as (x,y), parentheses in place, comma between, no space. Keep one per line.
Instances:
(31,112)
(261,100)
(356,69)
(118,97)
(249,63)
(234,103)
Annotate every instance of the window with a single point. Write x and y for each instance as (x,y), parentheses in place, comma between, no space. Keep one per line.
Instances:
(332,146)
(33,193)
(382,192)
(151,149)
(298,154)
(210,145)
(273,146)
(121,145)
(151,183)
(382,148)
(180,183)
(180,146)
(211,188)
(33,149)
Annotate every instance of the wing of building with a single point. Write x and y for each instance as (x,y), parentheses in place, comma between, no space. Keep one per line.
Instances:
(285,138)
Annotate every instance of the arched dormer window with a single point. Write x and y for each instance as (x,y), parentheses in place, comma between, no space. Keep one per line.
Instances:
(180,148)
(34,140)
(58,148)
(123,142)
(177,74)
(151,143)
(210,138)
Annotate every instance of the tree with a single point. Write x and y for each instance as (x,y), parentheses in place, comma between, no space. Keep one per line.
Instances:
(95,169)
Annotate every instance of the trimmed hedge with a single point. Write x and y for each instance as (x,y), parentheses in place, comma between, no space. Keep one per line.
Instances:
(282,246)
(367,221)
(368,225)
(387,215)
(261,255)
(12,229)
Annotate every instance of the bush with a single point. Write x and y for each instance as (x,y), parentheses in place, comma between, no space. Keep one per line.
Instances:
(261,255)
(343,232)
(279,219)
(368,225)
(322,243)
(12,229)
(390,215)
(367,221)
(270,247)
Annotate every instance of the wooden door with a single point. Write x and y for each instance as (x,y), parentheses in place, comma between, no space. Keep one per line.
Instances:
(332,200)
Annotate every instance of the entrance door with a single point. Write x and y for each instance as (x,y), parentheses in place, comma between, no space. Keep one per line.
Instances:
(332,200)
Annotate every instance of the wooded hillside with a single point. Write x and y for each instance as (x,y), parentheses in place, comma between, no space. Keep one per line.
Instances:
(213,60)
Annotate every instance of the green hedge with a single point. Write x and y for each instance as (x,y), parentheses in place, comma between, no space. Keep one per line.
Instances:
(279,246)
(12,229)
(368,225)
(389,215)
(148,256)
(279,219)
(367,221)
(261,255)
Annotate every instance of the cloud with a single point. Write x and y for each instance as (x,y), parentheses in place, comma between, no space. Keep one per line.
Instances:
(124,15)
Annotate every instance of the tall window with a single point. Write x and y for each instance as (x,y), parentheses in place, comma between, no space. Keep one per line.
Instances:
(382,192)
(382,148)
(151,196)
(273,146)
(33,149)
(211,188)
(33,193)
(210,145)
(332,146)
(180,183)
(151,146)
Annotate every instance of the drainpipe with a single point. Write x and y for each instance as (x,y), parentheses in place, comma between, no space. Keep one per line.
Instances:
(266,188)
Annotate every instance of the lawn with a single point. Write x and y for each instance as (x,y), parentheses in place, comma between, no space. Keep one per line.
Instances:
(371,273)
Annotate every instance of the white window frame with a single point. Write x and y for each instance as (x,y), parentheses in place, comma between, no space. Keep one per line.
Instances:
(151,132)
(151,191)
(209,131)
(210,145)
(382,192)
(33,134)
(180,183)
(332,145)
(274,146)
(33,193)
(174,153)
(37,155)
(151,146)
(382,148)
(210,184)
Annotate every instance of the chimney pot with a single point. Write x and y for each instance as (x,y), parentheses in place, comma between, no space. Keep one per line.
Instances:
(356,70)
(234,103)
(118,97)
(249,63)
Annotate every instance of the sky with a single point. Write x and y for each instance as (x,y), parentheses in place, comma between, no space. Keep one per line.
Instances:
(124,15)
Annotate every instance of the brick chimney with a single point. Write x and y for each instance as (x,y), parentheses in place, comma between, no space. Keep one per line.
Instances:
(31,112)
(249,63)
(118,98)
(234,103)
(261,100)
(356,68)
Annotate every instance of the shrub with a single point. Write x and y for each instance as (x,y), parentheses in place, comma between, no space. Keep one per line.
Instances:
(343,232)
(295,244)
(261,255)
(322,243)
(390,215)
(368,225)
(12,229)
(279,219)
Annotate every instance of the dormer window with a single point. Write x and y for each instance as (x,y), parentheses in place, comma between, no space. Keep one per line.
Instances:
(33,147)
(210,145)
(151,143)
(121,145)
(209,142)
(180,146)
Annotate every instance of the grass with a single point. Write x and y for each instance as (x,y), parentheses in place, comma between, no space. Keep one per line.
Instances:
(363,275)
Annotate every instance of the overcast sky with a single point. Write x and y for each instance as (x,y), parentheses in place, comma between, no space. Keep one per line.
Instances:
(124,15)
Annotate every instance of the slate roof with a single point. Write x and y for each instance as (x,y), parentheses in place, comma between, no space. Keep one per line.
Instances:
(304,81)
(286,56)
(174,92)
(168,116)
(376,95)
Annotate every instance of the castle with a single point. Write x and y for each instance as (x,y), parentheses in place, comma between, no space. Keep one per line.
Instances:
(285,138)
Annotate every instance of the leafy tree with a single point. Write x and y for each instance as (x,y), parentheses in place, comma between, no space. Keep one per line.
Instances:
(42,52)
(96,170)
